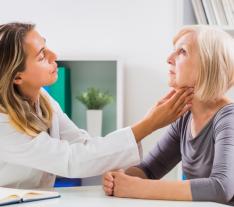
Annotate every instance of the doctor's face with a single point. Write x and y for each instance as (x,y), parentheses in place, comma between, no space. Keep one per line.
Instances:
(40,66)
(184,62)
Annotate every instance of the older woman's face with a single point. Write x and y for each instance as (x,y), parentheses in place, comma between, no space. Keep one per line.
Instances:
(184,62)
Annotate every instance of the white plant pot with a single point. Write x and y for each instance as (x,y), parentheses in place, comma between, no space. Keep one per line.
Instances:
(94,122)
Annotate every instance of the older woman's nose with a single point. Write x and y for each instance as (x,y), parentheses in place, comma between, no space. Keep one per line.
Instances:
(171,59)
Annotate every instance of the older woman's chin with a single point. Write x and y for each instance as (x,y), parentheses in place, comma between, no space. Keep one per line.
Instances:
(172,84)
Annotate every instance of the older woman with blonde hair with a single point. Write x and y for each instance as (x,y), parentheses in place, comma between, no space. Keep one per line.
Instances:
(203,138)
(38,141)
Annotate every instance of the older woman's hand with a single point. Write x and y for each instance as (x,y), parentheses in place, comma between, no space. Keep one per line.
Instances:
(108,183)
(164,112)
(128,186)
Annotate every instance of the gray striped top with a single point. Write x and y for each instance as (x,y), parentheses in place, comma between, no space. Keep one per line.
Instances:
(207,159)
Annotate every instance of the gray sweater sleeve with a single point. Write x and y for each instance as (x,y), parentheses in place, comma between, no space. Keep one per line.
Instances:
(164,156)
(219,186)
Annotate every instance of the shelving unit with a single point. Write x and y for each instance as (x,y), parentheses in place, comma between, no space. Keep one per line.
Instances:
(105,74)
(186,16)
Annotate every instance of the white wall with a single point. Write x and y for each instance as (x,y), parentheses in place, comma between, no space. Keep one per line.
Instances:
(137,31)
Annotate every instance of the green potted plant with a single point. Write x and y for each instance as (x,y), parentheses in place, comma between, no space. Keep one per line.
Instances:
(94,100)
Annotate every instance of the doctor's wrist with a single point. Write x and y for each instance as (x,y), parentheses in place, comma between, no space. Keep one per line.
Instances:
(142,128)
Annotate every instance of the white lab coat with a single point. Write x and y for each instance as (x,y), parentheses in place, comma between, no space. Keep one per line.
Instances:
(67,151)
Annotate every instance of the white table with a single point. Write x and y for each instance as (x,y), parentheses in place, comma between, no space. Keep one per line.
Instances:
(93,196)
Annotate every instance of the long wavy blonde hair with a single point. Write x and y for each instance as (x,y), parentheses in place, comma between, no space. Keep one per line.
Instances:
(22,114)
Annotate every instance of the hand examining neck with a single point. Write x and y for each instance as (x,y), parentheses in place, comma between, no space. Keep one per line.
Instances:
(164,112)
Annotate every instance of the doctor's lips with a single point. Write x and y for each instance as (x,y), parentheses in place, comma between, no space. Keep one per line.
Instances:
(55,70)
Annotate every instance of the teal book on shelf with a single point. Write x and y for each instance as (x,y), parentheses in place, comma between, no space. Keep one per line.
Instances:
(61,90)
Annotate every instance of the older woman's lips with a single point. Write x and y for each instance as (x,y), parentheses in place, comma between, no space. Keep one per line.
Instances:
(171,72)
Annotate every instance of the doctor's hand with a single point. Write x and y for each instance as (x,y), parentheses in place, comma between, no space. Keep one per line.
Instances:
(170,108)
(164,112)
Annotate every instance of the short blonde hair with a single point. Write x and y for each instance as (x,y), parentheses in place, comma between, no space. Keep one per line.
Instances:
(216,66)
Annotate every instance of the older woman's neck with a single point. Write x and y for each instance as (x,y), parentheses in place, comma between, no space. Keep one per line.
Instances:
(201,109)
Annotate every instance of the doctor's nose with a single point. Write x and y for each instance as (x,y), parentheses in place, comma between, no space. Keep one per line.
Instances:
(52,56)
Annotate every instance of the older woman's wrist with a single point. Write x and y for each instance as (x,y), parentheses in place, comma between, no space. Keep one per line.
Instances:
(139,185)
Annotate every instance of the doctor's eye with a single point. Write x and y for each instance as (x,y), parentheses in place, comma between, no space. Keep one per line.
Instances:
(42,56)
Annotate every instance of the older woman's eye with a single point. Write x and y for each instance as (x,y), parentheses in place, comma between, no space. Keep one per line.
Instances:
(182,51)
